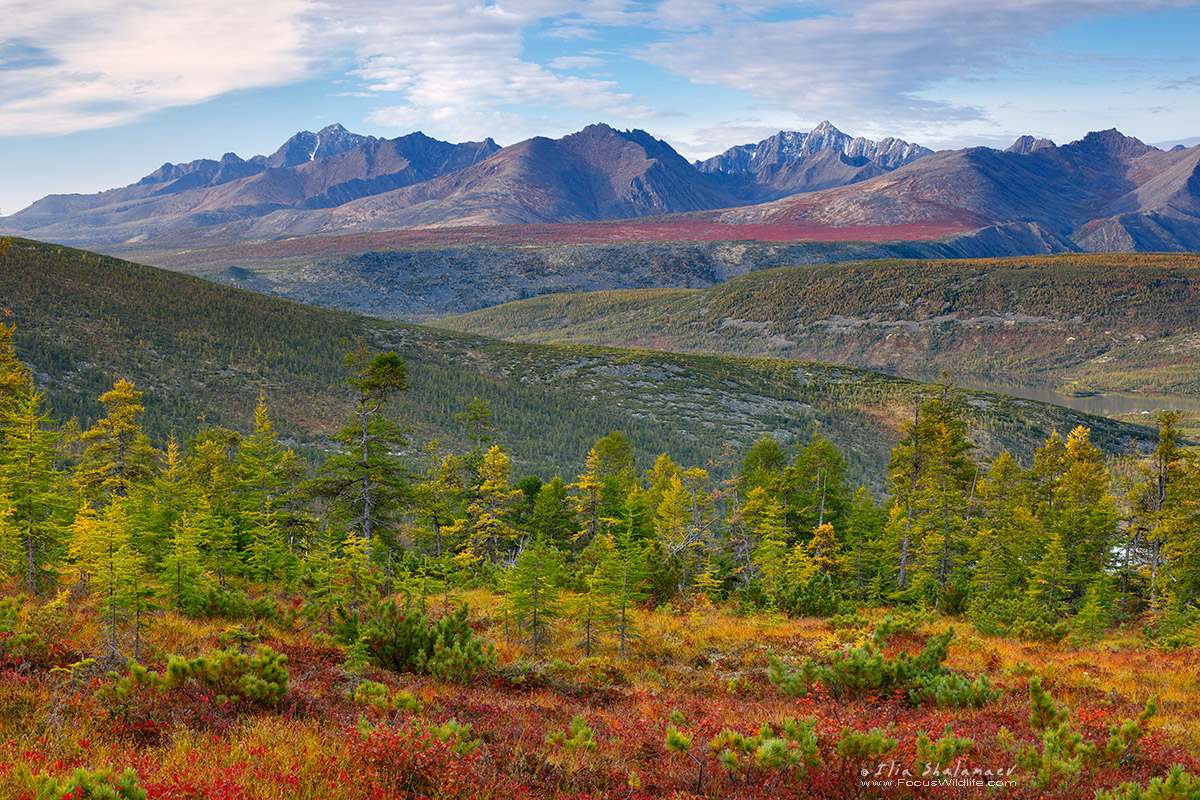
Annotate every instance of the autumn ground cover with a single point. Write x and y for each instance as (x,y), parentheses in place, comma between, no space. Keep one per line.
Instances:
(568,726)
(680,229)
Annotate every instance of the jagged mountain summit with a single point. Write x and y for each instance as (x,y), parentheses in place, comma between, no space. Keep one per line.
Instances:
(791,162)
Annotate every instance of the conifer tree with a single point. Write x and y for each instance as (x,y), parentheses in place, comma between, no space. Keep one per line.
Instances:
(183,572)
(932,477)
(608,474)
(1083,512)
(825,551)
(814,485)
(87,545)
(764,519)
(1095,615)
(658,480)
(628,568)
(132,591)
(864,523)
(1048,577)
(487,525)
(533,594)
(264,471)
(14,375)
(365,482)
(763,464)
(439,494)
(34,517)
(588,487)
(554,514)
(1003,522)
(708,582)
(593,610)
(113,553)
(1160,513)
(117,457)
(169,496)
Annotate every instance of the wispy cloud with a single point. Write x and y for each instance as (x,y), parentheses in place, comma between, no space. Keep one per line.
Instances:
(459,62)
(462,65)
(871,59)
(83,64)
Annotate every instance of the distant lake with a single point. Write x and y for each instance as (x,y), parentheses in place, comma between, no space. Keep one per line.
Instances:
(1106,404)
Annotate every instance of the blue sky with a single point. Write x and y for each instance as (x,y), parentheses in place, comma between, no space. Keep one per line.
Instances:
(97,93)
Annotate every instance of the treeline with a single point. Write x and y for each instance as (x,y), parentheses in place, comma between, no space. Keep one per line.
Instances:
(224,524)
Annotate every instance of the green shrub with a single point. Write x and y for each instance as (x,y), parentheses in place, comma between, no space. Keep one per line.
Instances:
(953,691)
(262,678)
(101,784)
(1177,785)
(232,604)
(865,670)
(378,697)
(794,747)
(407,641)
(813,598)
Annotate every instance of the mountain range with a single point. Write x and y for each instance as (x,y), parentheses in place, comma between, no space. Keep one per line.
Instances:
(1105,192)
(335,181)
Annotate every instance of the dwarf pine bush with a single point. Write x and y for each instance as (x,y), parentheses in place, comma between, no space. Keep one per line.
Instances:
(262,678)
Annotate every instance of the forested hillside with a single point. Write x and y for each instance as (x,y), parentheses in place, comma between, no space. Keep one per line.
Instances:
(1092,322)
(203,354)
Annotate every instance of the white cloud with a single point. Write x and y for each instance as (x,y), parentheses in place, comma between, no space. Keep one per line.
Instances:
(106,62)
(866,61)
(454,67)
(457,64)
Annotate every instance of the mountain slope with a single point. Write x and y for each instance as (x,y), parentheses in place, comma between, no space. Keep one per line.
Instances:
(791,162)
(198,348)
(1105,321)
(309,171)
(596,174)
(1105,192)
